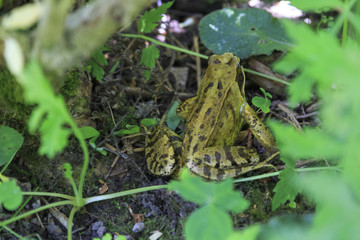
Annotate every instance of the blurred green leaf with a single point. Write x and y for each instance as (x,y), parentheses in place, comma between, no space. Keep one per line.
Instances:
(245,32)
(338,210)
(207,223)
(310,5)
(249,233)
(287,188)
(193,188)
(219,194)
(10,143)
(150,19)
(50,115)
(306,144)
(148,59)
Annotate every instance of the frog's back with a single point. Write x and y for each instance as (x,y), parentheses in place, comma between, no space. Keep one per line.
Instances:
(215,117)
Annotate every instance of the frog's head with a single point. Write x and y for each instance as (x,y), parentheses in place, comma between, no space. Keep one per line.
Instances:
(227,58)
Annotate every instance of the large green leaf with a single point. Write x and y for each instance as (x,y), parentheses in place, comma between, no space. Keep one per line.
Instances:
(208,223)
(10,142)
(10,194)
(245,32)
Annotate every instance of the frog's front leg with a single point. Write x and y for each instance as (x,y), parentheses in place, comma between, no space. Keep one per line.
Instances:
(258,128)
(185,108)
(218,163)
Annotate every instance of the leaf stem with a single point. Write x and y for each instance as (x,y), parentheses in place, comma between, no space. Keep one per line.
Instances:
(47,206)
(266,175)
(197,54)
(50,194)
(70,222)
(123,193)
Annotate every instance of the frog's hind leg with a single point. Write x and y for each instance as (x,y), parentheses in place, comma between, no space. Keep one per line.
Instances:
(227,162)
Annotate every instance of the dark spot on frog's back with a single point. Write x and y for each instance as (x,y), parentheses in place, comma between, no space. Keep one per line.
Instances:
(202,138)
(220,86)
(210,85)
(229,72)
(195,148)
(202,126)
(208,111)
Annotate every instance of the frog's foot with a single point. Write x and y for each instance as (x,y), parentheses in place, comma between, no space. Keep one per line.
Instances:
(218,163)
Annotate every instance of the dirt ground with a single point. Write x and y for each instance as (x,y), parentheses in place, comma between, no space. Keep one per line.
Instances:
(123,97)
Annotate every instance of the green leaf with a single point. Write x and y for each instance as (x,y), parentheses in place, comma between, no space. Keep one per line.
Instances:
(97,71)
(286,227)
(245,32)
(132,130)
(97,67)
(10,195)
(100,57)
(148,59)
(150,19)
(193,188)
(208,223)
(10,142)
(51,115)
(227,199)
(221,195)
(88,132)
(287,188)
(310,5)
(307,144)
(173,119)
(262,103)
(338,210)
(249,233)
(147,122)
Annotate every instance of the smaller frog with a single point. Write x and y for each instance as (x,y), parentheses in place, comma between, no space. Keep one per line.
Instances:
(214,119)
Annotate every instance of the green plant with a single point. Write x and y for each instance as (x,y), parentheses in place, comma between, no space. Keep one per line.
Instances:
(262,102)
(336,193)
(97,63)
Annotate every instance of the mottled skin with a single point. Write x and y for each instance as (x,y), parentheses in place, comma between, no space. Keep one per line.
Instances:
(214,119)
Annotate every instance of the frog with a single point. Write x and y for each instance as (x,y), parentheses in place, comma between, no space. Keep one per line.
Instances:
(214,120)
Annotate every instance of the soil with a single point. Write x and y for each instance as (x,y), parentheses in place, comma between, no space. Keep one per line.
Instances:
(124,97)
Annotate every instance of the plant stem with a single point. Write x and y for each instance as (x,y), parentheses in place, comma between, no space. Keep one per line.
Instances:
(266,175)
(47,206)
(50,194)
(197,54)
(165,45)
(78,134)
(275,79)
(123,193)
(12,232)
(70,222)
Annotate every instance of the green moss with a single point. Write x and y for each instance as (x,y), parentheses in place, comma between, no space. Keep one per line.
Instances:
(11,99)
(72,82)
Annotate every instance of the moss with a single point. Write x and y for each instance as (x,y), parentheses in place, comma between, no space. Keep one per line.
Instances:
(72,82)
(11,99)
